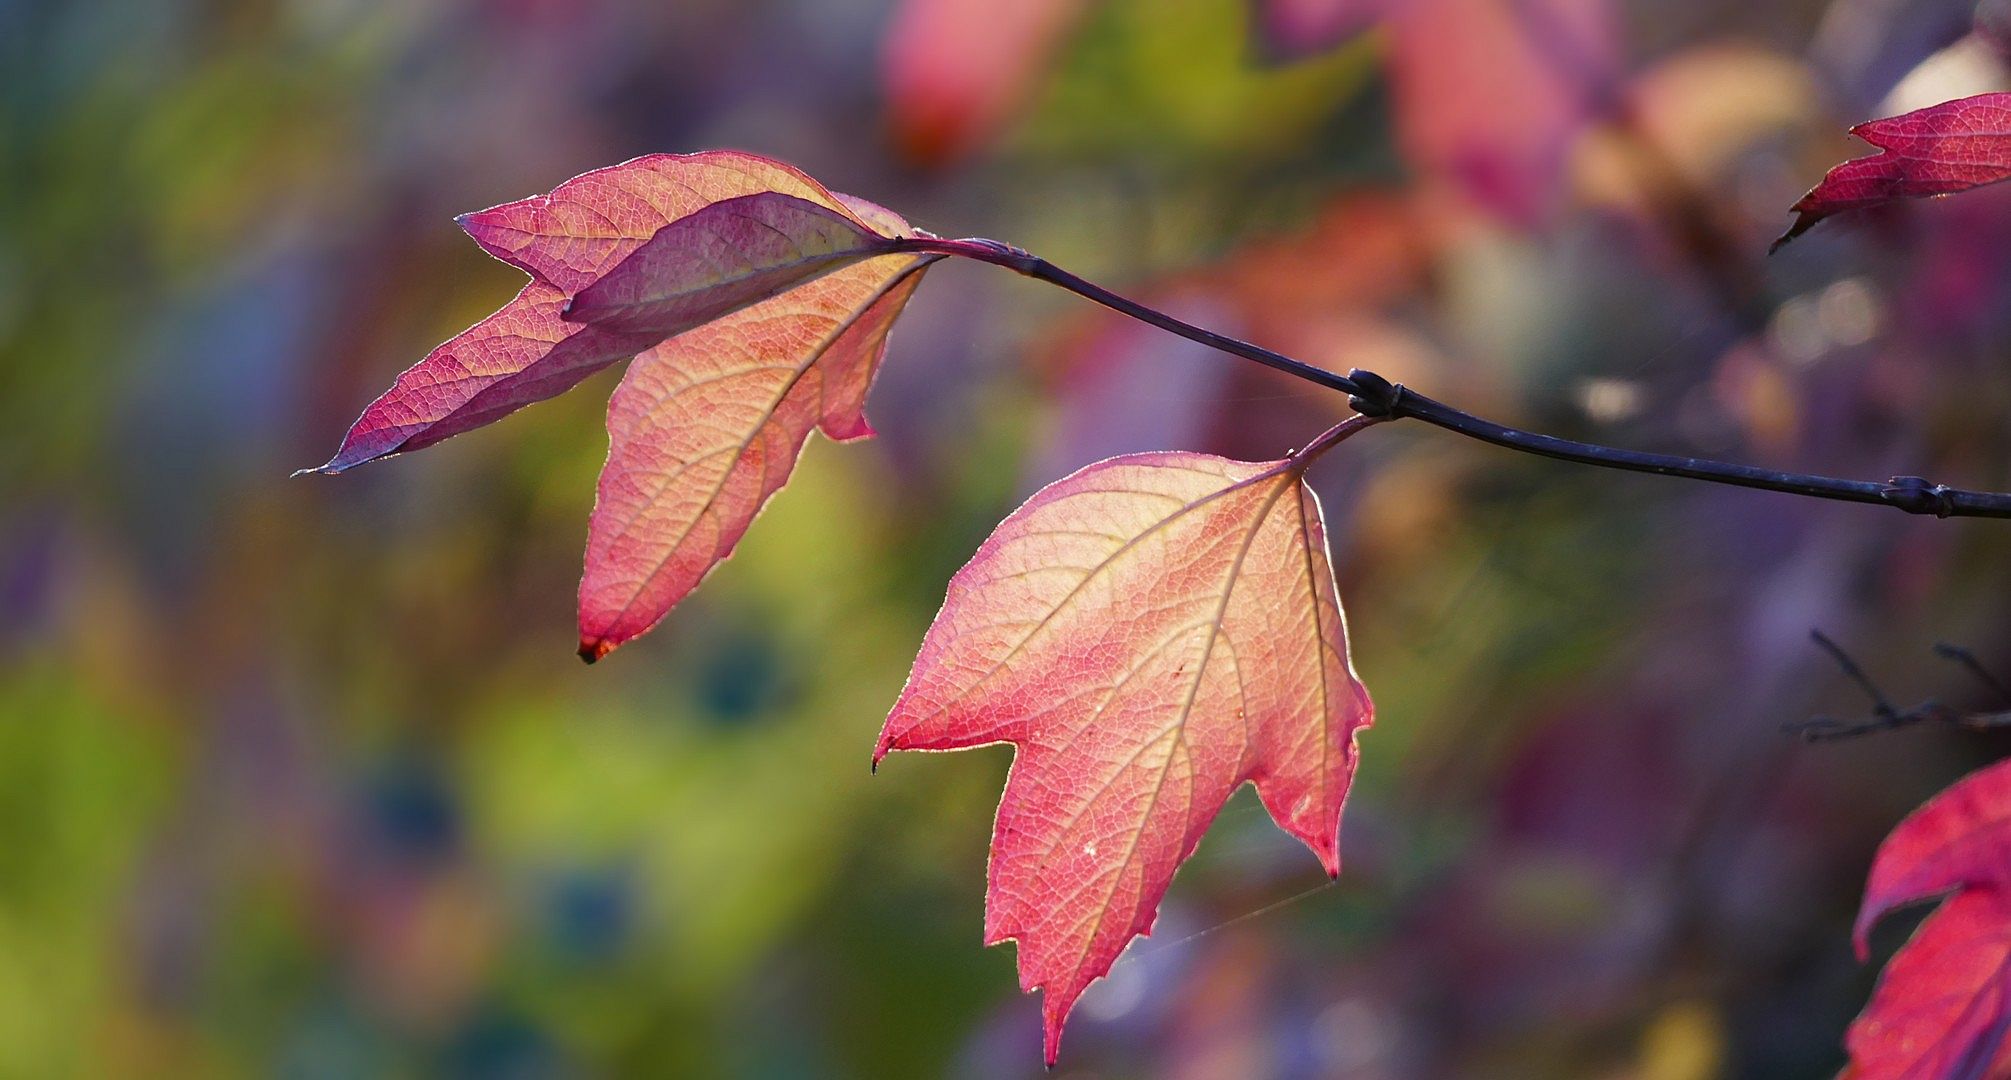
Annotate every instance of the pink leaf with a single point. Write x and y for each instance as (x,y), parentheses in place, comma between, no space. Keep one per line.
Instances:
(566,240)
(1939,150)
(1291,29)
(1943,1005)
(776,297)
(1488,94)
(706,426)
(593,221)
(1942,1008)
(1959,839)
(955,70)
(521,354)
(1149,633)
(721,258)
(1491,94)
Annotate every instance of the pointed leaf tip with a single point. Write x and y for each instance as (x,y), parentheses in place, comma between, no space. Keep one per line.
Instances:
(1939,150)
(785,336)
(706,427)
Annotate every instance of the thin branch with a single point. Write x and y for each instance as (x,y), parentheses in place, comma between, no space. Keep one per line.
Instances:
(1033,266)
(1968,660)
(1884,717)
(1372,395)
(1331,438)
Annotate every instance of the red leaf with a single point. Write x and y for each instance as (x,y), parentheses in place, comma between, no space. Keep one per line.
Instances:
(1941,1008)
(1939,150)
(1960,839)
(1943,1005)
(1149,633)
(776,296)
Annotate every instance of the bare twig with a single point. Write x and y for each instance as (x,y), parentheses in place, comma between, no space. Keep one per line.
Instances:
(1372,395)
(1884,717)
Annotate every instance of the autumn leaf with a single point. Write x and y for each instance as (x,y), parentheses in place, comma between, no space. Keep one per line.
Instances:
(707,426)
(721,258)
(759,303)
(521,354)
(576,234)
(566,241)
(1943,1005)
(956,70)
(1148,633)
(1939,150)
(1488,95)
(1293,29)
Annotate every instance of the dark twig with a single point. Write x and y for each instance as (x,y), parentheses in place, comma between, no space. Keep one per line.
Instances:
(1880,706)
(1372,395)
(1968,660)
(1884,717)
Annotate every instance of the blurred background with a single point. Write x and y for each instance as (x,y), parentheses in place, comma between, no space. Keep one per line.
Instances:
(301,778)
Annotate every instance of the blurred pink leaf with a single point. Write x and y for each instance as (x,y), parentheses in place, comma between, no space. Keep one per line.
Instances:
(1489,94)
(1939,150)
(1149,633)
(1292,29)
(1942,1008)
(955,70)
(1492,93)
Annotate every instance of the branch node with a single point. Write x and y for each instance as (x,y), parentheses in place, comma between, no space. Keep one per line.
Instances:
(1374,395)
(1919,495)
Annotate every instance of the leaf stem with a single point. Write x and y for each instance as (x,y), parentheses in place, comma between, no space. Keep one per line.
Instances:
(1330,438)
(1373,396)
(1033,266)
